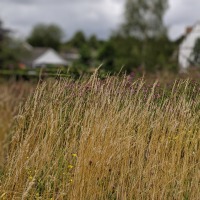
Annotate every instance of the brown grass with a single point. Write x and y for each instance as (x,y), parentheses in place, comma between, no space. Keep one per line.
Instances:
(11,96)
(104,140)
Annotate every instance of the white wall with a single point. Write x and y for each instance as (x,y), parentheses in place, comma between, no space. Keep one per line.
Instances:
(186,48)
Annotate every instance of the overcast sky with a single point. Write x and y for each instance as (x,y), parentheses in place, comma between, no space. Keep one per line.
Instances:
(98,17)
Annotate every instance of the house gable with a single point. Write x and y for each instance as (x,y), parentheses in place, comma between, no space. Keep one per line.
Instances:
(187,46)
(50,57)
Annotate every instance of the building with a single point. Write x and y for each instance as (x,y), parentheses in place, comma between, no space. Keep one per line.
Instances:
(49,57)
(71,55)
(187,46)
(41,56)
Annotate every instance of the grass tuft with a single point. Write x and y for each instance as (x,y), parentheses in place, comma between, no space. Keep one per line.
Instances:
(102,139)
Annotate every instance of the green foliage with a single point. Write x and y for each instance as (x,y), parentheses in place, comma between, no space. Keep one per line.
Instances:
(141,43)
(158,53)
(46,36)
(3,45)
(93,42)
(88,49)
(3,32)
(107,55)
(127,53)
(144,19)
(8,57)
(78,40)
(85,55)
(10,51)
(144,42)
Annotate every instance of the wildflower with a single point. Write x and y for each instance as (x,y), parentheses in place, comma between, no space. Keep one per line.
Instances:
(70,166)
(70,180)
(30,178)
(74,155)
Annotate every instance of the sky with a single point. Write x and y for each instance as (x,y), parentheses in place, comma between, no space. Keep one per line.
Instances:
(99,17)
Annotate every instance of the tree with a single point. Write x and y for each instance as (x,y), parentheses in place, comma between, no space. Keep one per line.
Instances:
(78,40)
(128,55)
(144,18)
(93,42)
(107,55)
(85,55)
(3,32)
(5,53)
(144,21)
(46,36)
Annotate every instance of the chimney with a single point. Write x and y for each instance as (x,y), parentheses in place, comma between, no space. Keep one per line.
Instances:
(188,30)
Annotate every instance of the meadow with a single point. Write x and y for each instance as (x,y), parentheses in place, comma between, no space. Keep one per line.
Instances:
(90,139)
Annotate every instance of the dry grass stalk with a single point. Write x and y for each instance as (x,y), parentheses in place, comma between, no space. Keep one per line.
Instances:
(106,139)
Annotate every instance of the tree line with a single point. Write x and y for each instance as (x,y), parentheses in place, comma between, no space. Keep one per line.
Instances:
(140,43)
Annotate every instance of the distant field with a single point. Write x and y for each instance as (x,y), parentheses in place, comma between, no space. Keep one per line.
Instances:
(91,139)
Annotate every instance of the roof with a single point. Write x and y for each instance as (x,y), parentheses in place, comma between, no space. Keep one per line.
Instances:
(32,54)
(47,56)
(37,56)
(36,52)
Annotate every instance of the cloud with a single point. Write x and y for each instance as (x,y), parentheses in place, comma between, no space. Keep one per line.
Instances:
(91,16)
(98,17)
(182,13)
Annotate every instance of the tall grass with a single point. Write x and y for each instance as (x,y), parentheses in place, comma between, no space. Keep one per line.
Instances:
(11,96)
(108,139)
